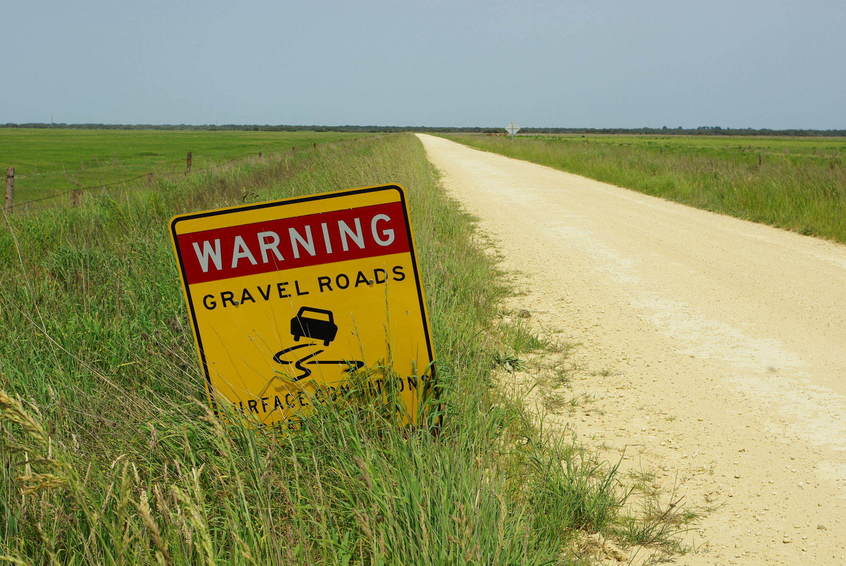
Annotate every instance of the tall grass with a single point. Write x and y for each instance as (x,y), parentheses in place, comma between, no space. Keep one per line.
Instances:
(108,454)
(791,186)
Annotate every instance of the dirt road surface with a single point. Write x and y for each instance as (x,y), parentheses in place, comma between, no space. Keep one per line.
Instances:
(714,349)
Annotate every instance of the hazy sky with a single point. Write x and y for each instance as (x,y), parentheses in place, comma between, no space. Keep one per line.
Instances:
(777,64)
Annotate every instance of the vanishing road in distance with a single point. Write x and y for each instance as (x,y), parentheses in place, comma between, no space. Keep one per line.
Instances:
(714,348)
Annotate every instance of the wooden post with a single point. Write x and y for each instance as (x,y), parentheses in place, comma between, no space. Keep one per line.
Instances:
(315,146)
(259,155)
(10,188)
(188,160)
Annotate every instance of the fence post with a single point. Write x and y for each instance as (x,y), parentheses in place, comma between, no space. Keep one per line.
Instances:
(10,188)
(259,155)
(188,160)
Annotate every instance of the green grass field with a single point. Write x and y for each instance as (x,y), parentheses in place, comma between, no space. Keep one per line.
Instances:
(52,162)
(794,183)
(109,455)
(810,146)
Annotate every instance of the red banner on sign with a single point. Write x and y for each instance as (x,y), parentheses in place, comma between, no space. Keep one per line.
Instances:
(287,243)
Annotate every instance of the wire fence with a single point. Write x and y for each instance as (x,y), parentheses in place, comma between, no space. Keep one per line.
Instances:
(76,191)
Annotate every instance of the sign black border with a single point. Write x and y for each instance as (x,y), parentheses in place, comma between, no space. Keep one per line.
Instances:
(187,290)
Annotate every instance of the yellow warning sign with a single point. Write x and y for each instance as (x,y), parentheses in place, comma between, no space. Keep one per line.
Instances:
(292,300)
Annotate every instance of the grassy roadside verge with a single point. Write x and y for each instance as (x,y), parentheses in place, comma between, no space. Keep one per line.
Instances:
(784,183)
(108,455)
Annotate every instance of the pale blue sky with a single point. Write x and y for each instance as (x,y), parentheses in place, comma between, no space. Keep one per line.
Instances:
(776,64)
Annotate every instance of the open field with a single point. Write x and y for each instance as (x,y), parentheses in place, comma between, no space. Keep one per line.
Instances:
(53,161)
(822,147)
(793,183)
(111,457)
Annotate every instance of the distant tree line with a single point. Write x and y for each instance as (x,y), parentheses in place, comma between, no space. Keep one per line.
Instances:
(249,127)
(699,131)
(679,131)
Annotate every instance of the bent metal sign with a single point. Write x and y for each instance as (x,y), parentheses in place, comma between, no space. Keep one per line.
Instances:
(291,300)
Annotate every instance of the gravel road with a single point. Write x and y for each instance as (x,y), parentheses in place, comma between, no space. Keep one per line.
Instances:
(714,349)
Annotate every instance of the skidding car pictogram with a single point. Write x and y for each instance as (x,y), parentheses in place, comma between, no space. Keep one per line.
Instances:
(305,326)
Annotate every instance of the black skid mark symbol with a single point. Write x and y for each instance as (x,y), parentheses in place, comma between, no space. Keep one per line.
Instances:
(278,356)
(352,365)
(305,370)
